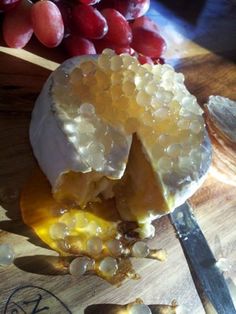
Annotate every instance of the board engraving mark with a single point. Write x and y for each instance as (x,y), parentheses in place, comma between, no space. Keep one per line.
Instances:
(32,299)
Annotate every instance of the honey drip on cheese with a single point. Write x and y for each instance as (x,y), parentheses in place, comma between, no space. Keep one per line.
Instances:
(92,234)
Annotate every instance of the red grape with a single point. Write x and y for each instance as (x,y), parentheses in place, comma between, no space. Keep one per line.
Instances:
(102,44)
(47,23)
(89,22)
(104,4)
(65,10)
(132,9)
(119,31)
(77,46)
(89,2)
(17,26)
(146,23)
(7,4)
(148,43)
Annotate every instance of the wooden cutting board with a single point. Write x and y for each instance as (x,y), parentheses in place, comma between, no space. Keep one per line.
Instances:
(35,282)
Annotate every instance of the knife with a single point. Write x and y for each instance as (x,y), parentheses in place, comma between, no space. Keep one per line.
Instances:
(209,281)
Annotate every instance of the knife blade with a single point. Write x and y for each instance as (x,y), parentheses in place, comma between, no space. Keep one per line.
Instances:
(209,281)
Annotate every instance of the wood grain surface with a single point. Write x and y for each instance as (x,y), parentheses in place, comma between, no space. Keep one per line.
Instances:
(37,281)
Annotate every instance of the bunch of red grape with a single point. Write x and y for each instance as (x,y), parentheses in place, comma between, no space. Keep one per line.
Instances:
(84,26)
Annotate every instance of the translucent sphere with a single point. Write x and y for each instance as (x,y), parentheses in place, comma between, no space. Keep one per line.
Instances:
(94,228)
(128,60)
(195,126)
(165,163)
(7,254)
(116,63)
(86,109)
(69,220)
(143,99)
(58,231)
(174,150)
(61,77)
(104,62)
(79,266)
(139,309)
(146,231)
(183,124)
(94,246)
(162,113)
(108,266)
(88,67)
(140,249)
(81,220)
(115,247)
(63,245)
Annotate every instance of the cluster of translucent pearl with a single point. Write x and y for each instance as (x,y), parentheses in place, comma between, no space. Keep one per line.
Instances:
(150,100)
(7,254)
(108,265)
(76,233)
(78,229)
(96,141)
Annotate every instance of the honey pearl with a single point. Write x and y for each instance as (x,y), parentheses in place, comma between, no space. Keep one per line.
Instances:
(195,155)
(164,140)
(146,231)
(76,75)
(81,220)
(129,75)
(151,87)
(195,127)
(108,266)
(128,60)
(143,99)
(140,249)
(88,67)
(115,247)
(165,163)
(61,77)
(87,108)
(162,113)
(94,246)
(128,88)
(116,63)
(58,231)
(174,150)
(139,309)
(64,245)
(79,266)
(93,228)
(108,52)
(104,62)
(183,124)
(7,254)
(69,220)
(185,163)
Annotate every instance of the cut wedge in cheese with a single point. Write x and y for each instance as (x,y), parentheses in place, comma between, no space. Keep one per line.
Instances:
(113,134)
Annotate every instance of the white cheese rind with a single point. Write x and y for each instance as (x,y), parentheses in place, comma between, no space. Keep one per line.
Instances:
(55,152)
